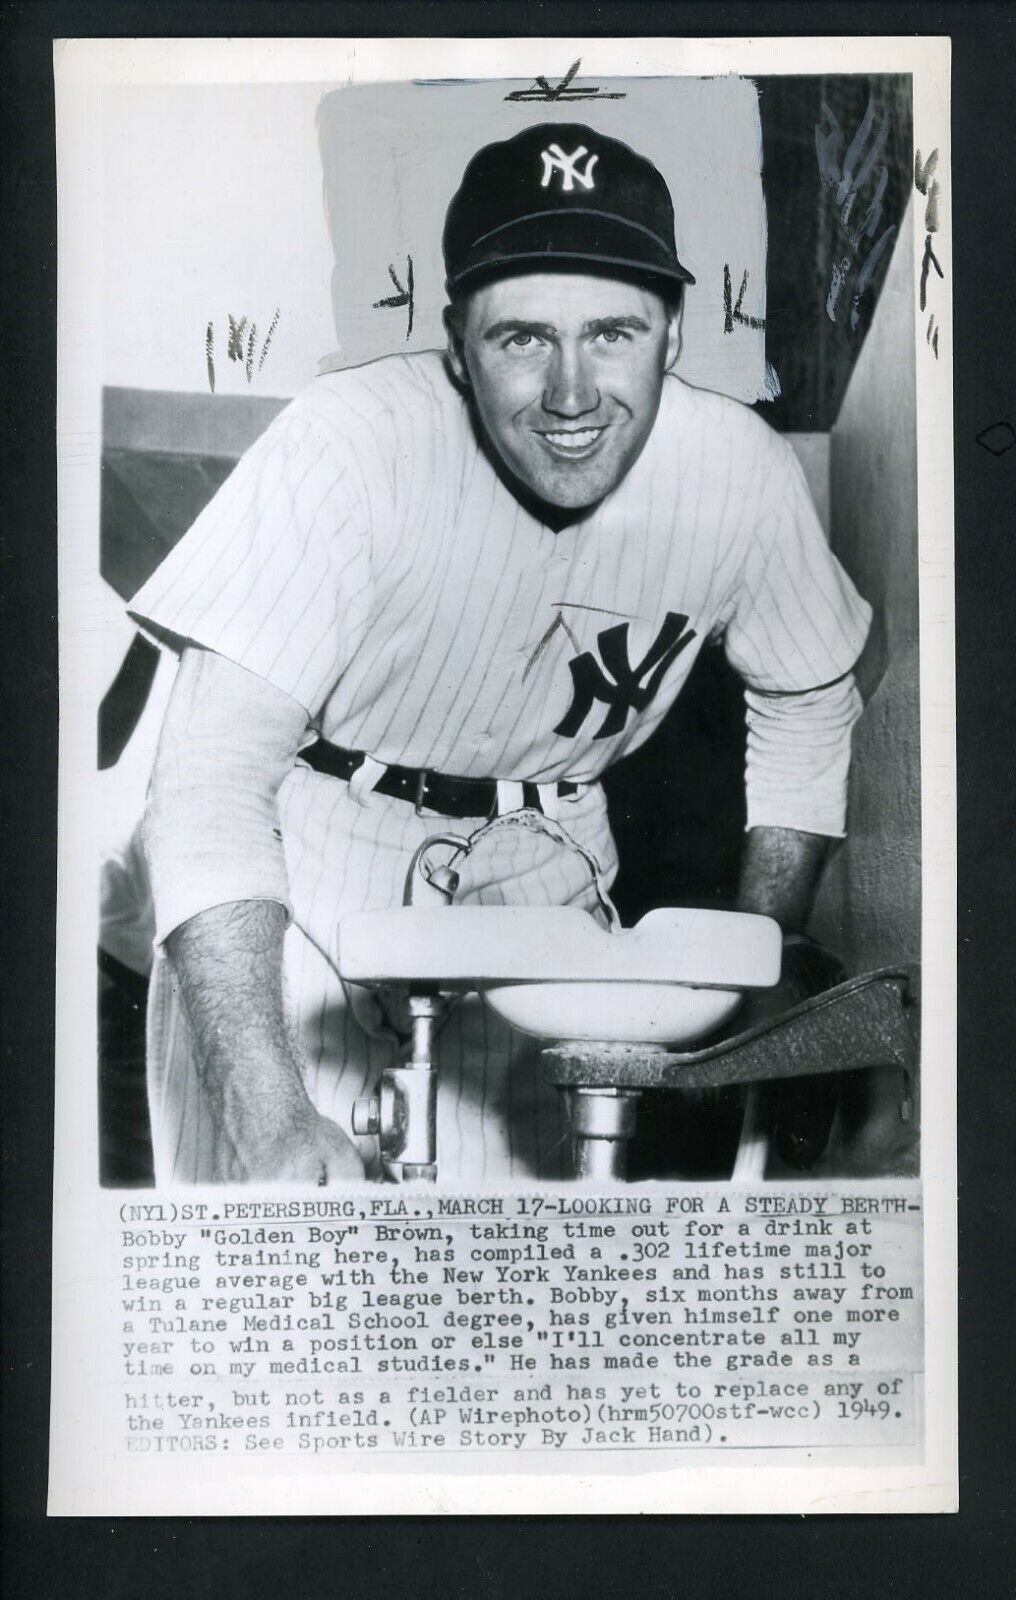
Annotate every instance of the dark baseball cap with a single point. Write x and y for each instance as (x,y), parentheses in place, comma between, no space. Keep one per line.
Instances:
(560,194)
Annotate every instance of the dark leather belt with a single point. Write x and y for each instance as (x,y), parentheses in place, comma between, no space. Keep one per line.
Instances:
(435,791)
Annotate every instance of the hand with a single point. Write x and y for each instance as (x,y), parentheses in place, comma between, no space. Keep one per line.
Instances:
(808,969)
(306,1148)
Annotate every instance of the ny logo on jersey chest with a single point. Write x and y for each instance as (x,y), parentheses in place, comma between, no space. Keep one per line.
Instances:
(614,682)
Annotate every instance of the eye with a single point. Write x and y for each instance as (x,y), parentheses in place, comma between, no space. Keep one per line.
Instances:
(612,335)
(520,341)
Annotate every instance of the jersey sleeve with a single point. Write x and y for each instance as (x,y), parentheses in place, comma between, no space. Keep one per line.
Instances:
(797,622)
(275,573)
(798,758)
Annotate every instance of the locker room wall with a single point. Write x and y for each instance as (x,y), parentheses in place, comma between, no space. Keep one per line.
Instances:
(869,906)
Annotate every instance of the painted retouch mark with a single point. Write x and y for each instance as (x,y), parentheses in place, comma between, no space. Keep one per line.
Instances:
(565,91)
(732,312)
(241,345)
(559,621)
(544,641)
(601,611)
(403,295)
(858,177)
(928,185)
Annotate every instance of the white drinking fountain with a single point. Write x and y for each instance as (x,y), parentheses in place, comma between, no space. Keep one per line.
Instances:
(618,1010)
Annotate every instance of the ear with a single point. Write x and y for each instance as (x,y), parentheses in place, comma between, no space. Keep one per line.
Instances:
(674,339)
(452,318)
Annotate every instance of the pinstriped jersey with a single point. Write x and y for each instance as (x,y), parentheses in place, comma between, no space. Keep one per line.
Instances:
(366,557)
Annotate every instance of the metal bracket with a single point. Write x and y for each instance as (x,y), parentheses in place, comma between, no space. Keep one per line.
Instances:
(868,1021)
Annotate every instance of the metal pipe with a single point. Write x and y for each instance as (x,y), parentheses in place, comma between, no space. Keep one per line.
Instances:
(603,1121)
(403,1111)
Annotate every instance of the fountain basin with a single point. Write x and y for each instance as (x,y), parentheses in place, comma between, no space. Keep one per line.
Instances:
(553,972)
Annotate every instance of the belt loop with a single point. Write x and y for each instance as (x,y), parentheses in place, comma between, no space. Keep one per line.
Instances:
(366,779)
(511,796)
(549,803)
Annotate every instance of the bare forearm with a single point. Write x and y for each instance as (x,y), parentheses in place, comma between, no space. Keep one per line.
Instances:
(229,964)
(779,874)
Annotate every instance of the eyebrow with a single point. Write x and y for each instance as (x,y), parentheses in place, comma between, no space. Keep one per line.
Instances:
(637,324)
(498,330)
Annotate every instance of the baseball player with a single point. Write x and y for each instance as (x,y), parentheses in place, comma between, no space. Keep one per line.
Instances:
(452,586)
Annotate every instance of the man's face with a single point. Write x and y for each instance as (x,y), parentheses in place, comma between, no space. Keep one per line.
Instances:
(566,371)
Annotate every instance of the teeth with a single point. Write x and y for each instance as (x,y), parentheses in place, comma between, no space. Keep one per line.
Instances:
(574,441)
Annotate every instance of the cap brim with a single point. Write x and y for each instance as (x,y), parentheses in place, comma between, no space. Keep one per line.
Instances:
(594,240)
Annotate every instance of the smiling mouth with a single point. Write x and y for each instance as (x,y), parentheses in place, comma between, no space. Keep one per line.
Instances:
(573,443)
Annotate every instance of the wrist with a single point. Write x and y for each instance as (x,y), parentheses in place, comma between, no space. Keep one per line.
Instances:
(263,1108)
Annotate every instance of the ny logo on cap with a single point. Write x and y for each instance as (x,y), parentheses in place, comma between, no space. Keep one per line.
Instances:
(554,159)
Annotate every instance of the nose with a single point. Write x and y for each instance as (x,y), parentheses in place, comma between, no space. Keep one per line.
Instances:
(570,389)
